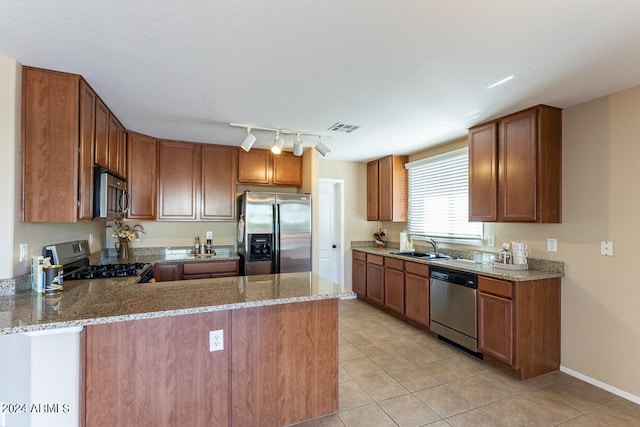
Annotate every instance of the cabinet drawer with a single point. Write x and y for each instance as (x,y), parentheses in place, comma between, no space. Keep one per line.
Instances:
(416,268)
(375,259)
(359,255)
(209,267)
(398,264)
(495,286)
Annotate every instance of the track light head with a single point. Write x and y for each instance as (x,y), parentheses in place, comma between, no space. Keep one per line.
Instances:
(278,143)
(248,141)
(297,147)
(322,149)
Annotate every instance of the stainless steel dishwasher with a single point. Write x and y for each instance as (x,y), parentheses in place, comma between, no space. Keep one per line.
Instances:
(452,308)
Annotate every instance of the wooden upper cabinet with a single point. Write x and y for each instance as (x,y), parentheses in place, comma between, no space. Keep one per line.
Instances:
(525,185)
(87,133)
(261,167)
(102,134)
(142,180)
(114,130)
(219,177)
(51,145)
(122,152)
(179,172)
(387,196)
(483,167)
(287,169)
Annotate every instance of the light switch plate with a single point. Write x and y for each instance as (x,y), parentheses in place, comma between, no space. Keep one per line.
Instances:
(216,340)
(24,250)
(552,245)
(491,240)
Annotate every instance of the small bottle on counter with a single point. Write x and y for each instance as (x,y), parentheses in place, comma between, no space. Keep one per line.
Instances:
(197,246)
(208,246)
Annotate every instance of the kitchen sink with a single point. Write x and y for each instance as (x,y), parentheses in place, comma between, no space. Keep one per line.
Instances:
(424,255)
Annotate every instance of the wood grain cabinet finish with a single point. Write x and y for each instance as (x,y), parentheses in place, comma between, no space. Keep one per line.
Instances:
(57,127)
(167,272)
(218,182)
(524,184)
(284,363)
(178,172)
(387,190)
(157,372)
(142,176)
(102,134)
(394,285)
(375,279)
(416,292)
(209,269)
(261,167)
(519,325)
(359,273)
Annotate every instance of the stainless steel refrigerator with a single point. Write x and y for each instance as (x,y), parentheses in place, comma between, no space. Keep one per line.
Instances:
(274,232)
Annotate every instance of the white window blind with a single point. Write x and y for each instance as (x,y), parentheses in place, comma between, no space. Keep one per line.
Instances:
(439,197)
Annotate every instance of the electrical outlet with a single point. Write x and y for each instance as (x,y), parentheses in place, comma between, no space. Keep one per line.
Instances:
(491,240)
(606,248)
(552,245)
(24,251)
(216,340)
(138,237)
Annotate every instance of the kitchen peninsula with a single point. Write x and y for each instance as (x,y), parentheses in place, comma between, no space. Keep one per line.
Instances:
(149,354)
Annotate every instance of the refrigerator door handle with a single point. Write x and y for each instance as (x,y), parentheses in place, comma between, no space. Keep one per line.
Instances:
(276,237)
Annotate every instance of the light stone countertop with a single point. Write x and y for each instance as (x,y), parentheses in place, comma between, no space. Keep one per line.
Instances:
(538,269)
(88,302)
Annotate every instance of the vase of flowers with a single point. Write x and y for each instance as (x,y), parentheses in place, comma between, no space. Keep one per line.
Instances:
(125,233)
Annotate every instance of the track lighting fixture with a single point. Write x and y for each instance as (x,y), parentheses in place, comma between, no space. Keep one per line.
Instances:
(322,149)
(297,147)
(248,141)
(278,142)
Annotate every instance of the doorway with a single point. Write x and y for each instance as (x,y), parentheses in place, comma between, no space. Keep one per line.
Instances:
(331,229)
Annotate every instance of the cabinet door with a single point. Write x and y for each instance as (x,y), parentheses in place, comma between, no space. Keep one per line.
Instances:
(287,169)
(359,277)
(375,283)
(394,290)
(142,176)
(372,191)
(113,131)
(102,134)
(167,272)
(178,170)
(385,189)
(49,146)
(219,177)
(253,166)
(517,167)
(87,132)
(495,327)
(122,151)
(483,172)
(416,290)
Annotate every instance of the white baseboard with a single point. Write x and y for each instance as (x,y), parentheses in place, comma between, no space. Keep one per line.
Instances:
(600,384)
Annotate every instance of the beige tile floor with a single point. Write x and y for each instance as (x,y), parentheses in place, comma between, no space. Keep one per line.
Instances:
(392,374)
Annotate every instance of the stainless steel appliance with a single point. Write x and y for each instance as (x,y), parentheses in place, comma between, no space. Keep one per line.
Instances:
(452,308)
(274,232)
(74,257)
(110,199)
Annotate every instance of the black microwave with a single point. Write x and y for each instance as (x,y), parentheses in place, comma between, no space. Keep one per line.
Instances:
(111,200)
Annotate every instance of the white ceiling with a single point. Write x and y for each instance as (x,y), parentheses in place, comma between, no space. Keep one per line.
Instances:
(412,74)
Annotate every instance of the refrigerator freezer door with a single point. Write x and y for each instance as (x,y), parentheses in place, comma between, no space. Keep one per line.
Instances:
(258,213)
(294,226)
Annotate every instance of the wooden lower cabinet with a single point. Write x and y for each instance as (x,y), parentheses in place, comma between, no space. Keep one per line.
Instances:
(284,363)
(416,292)
(167,272)
(209,269)
(359,273)
(375,279)
(394,285)
(157,372)
(519,325)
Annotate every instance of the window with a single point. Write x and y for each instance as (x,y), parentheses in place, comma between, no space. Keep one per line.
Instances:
(439,198)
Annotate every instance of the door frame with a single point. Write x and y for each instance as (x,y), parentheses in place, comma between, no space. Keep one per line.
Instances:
(338,185)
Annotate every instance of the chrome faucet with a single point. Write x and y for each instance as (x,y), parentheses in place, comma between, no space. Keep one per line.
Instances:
(434,244)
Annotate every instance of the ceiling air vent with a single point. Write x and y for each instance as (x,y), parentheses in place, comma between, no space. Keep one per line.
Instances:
(341,127)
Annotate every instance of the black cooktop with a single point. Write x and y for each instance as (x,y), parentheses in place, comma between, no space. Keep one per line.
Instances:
(108,270)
